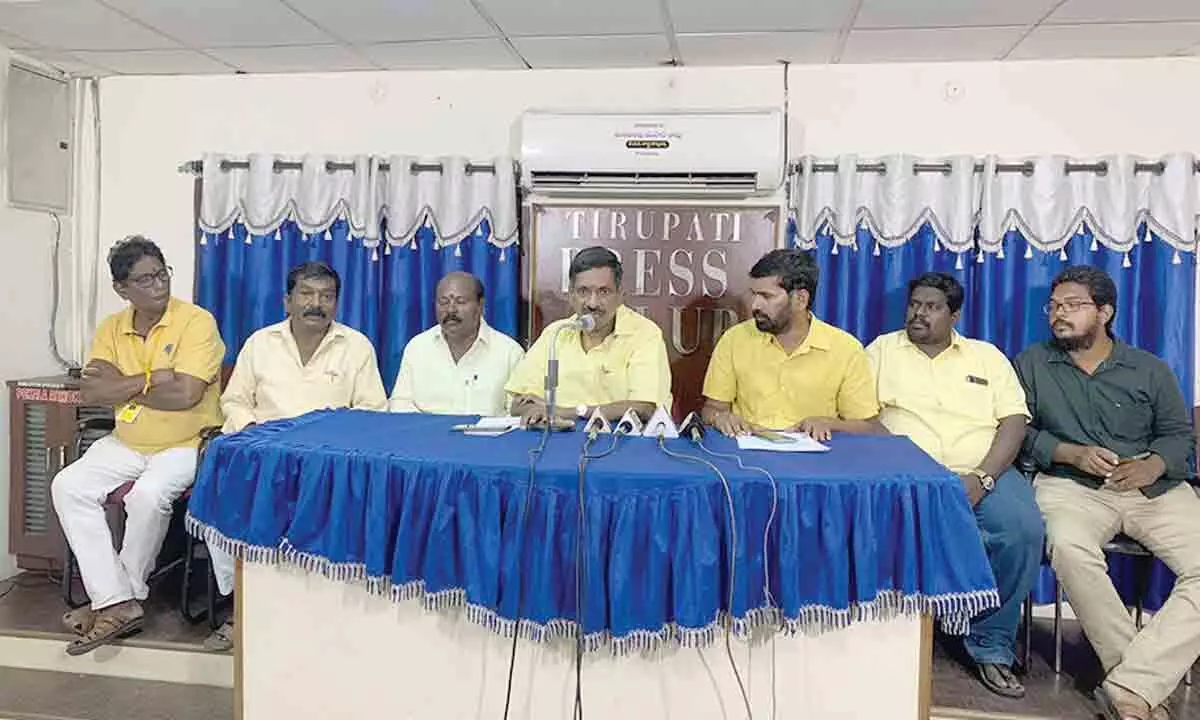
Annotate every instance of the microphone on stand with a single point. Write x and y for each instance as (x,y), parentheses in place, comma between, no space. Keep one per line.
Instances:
(692,427)
(582,323)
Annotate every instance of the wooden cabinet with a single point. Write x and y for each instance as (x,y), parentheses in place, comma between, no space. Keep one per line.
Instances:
(44,416)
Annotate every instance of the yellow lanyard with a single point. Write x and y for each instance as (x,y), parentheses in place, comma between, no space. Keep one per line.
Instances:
(148,360)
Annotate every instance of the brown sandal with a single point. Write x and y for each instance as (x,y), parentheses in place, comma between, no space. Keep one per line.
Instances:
(106,629)
(79,620)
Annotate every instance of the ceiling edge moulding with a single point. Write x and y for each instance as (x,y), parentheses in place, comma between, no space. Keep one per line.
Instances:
(971,203)
(453,196)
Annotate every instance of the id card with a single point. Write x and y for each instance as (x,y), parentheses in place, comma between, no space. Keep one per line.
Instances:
(129,412)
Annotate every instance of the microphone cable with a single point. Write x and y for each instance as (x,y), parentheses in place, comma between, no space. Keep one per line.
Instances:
(662,445)
(771,606)
(535,454)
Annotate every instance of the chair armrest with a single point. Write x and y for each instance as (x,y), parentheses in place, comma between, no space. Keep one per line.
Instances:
(207,435)
(1026,466)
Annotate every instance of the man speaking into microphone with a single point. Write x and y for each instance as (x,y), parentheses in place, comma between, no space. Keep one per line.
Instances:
(612,360)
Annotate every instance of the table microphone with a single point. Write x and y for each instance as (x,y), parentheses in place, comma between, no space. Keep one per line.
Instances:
(583,323)
(692,427)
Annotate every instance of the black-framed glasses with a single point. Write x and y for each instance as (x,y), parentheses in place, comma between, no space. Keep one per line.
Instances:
(1071,306)
(146,281)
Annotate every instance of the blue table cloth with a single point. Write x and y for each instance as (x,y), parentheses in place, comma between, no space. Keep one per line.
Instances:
(870,529)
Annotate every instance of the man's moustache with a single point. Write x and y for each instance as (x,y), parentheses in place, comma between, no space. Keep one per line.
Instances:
(314,313)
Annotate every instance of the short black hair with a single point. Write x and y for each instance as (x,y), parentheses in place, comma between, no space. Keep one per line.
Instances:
(1100,286)
(947,283)
(315,270)
(592,258)
(796,270)
(125,254)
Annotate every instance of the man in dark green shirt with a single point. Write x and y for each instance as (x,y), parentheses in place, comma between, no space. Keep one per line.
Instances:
(1113,441)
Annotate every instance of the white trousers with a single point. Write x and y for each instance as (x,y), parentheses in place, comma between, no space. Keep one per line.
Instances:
(223,566)
(79,491)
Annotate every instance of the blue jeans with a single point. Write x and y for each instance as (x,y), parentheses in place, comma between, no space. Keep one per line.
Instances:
(1012,530)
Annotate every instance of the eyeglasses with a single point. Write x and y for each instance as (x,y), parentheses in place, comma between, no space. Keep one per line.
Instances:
(147,280)
(1071,306)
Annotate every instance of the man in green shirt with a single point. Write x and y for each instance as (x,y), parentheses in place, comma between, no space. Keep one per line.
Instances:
(1113,441)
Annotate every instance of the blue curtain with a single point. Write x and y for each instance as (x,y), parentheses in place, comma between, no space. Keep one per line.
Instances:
(387,292)
(864,291)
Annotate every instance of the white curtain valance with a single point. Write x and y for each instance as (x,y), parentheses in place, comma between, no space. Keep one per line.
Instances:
(1048,205)
(453,201)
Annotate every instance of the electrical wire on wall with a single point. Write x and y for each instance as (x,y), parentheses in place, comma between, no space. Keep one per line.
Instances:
(55,287)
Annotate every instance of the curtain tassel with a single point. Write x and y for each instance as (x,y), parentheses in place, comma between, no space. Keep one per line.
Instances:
(958,263)
(1028,252)
(413,245)
(328,235)
(979,258)
(876,251)
(1176,259)
(504,255)
(1062,255)
(834,251)
(937,246)
(387,248)
(1000,252)
(1125,263)
(375,255)
(458,250)
(203,239)
(249,238)
(1094,246)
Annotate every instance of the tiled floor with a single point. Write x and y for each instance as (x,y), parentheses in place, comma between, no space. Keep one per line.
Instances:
(61,696)
(1065,697)
(35,605)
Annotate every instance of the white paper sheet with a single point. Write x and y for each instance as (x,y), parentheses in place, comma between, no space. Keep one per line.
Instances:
(801,442)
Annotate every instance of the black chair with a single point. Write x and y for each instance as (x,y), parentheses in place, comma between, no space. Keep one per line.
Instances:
(179,547)
(196,551)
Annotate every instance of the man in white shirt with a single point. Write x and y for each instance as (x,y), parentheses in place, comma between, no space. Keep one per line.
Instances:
(460,365)
(307,362)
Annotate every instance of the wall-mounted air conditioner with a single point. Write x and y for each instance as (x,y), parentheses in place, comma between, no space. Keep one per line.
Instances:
(727,153)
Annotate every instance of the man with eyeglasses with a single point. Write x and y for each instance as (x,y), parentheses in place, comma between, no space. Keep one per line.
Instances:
(157,363)
(306,362)
(620,364)
(960,401)
(1113,442)
(460,365)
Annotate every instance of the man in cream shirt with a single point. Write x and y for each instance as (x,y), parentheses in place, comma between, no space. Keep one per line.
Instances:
(460,365)
(307,362)
(619,365)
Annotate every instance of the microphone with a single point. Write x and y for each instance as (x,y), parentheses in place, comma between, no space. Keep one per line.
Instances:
(692,427)
(583,323)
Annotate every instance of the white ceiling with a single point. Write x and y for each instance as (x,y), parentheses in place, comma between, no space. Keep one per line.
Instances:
(105,37)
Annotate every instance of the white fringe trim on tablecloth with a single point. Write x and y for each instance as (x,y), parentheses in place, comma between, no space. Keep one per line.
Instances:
(954,611)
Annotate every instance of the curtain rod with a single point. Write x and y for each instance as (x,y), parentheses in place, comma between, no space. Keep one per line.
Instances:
(195,167)
(1025,168)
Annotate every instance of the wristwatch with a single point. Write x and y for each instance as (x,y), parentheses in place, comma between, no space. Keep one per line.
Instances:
(987,482)
(581,411)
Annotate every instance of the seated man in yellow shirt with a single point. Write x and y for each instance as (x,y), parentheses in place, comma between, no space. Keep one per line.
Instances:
(156,363)
(307,362)
(619,365)
(784,369)
(960,401)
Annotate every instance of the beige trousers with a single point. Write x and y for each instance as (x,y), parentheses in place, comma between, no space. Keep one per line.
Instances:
(1079,521)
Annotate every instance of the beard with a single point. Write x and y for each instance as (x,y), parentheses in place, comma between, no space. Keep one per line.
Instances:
(1077,342)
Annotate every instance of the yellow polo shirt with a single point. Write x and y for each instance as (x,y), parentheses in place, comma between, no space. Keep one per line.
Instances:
(826,376)
(185,340)
(950,405)
(629,366)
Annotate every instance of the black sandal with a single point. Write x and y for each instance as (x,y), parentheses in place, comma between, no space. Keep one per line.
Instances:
(1000,680)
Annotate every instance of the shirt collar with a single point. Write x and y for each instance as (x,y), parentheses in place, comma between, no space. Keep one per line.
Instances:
(1122,354)
(820,336)
(956,340)
(484,335)
(164,321)
(284,329)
